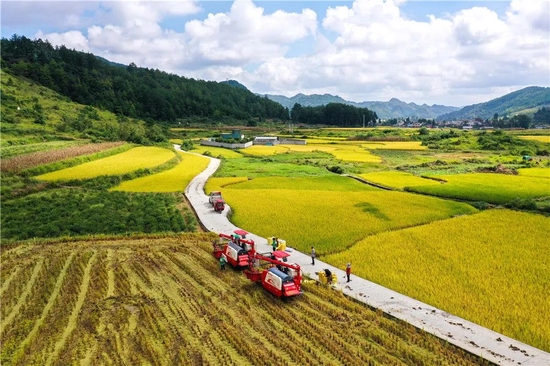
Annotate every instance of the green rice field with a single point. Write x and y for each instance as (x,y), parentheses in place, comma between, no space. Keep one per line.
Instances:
(488,187)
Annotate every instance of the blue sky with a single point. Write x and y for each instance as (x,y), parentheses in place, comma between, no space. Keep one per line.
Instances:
(434,52)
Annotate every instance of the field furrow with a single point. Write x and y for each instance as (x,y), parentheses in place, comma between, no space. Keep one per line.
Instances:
(6,281)
(49,305)
(21,300)
(166,302)
(75,312)
(213,313)
(156,322)
(199,325)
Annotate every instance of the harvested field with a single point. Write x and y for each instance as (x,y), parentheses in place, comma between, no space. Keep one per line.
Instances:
(165,302)
(22,162)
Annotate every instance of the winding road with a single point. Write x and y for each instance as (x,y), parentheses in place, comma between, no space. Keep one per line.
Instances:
(474,338)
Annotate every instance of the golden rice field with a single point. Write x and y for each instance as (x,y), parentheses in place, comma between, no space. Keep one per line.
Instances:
(395,145)
(397,179)
(216,151)
(490,268)
(126,162)
(303,210)
(540,138)
(489,187)
(164,301)
(172,180)
(216,184)
(342,152)
(535,172)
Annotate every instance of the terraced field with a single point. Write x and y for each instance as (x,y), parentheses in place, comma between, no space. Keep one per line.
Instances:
(126,162)
(172,180)
(164,302)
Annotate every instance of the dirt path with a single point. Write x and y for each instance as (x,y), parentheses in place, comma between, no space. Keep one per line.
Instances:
(474,338)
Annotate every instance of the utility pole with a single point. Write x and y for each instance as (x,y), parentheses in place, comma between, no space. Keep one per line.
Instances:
(363,121)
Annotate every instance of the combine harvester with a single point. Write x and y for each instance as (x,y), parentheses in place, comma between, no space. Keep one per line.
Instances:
(277,276)
(280,278)
(236,249)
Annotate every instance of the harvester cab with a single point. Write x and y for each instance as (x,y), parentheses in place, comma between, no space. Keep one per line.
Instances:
(236,249)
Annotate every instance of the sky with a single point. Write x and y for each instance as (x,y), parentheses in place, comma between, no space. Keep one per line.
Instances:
(453,53)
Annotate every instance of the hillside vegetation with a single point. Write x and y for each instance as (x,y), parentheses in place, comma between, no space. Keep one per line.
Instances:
(33,114)
(130,91)
(508,104)
(165,302)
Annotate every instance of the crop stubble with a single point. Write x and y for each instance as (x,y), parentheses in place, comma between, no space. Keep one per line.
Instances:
(164,301)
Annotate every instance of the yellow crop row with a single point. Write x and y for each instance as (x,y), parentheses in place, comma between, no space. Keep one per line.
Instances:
(342,152)
(172,180)
(216,184)
(395,145)
(397,179)
(126,162)
(217,151)
(535,172)
(490,268)
(541,138)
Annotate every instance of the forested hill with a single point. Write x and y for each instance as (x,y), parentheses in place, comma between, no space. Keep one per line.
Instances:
(526,98)
(394,108)
(131,91)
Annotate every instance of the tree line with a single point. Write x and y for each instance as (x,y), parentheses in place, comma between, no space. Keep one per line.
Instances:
(334,114)
(130,90)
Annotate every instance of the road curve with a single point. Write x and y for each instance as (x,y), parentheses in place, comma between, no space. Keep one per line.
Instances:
(474,338)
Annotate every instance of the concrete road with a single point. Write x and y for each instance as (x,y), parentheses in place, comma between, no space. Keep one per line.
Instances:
(476,339)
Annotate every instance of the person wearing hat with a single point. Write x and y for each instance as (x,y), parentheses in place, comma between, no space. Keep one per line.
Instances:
(348,271)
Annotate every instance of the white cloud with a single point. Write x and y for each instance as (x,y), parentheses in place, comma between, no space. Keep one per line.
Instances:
(71,39)
(377,51)
(245,34)
(365,50)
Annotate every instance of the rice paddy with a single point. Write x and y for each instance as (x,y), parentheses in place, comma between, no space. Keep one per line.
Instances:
(540,138)
(172,180)
(397,179)
(329,213)
(490,268)
(216,152)
(129,161)
(488,187)
(395,145)
(351,153)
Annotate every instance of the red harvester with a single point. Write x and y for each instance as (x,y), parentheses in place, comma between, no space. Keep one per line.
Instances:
(280,278)
(237,252)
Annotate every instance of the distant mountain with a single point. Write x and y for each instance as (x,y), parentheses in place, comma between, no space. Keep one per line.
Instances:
(394,108)
(527,98)
(235,84)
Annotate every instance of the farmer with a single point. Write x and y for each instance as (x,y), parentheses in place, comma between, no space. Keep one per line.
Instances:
(328,274)
(348,271)
(275,243)
(312,256)
(223,261)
